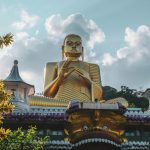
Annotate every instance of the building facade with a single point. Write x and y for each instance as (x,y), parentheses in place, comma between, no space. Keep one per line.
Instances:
(51,119)
(72,111)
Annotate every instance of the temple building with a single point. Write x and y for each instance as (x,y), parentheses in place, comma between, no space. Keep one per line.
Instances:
(19,89)
(72,111)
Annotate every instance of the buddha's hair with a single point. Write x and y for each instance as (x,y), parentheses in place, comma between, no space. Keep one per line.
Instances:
(70,35)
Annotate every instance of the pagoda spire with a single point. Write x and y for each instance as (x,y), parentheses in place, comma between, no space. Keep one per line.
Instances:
(14,73)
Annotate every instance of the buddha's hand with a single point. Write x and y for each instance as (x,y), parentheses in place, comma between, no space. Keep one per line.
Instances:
(83,73)
(65,70)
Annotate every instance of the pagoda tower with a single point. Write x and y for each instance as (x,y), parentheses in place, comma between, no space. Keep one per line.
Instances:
(19,89)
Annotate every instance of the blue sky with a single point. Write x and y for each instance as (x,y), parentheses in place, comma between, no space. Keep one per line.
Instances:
(116,36)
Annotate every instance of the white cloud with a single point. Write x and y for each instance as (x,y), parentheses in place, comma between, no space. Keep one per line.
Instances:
(131,65)
(96,34)
(28,75)
(137,45)
(57,28)
(53,25)
(108,59)
(22,36)
(26,21)
(138,38)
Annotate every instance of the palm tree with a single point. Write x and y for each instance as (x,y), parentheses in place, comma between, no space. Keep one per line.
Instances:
(6,40)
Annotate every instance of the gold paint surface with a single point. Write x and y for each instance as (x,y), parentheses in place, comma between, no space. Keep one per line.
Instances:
(72,78)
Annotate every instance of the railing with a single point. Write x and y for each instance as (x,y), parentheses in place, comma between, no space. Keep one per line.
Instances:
(131,145)
(30,146)
(136,145)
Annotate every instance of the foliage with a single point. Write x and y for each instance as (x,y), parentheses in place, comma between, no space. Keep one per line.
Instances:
(5,105)
(23,140)
(129,94)
(5,108)
(6,40)
(109,92)
(133,99)
(14,140)
(4,133)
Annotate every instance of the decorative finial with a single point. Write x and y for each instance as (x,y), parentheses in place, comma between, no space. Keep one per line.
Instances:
(15,62)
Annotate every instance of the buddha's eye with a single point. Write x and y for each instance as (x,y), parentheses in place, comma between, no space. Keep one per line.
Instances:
(77,43)
(70,43)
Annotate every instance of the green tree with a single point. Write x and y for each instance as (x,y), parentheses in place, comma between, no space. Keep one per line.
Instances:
(129,94)
(5,108)
(28,140)
(5,105)
(6,40)
(109,92)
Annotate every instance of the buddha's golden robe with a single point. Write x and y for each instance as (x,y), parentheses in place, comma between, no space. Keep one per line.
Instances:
(74,87)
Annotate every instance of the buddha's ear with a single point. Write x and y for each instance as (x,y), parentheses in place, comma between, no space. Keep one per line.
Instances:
(82,54)
(63,52)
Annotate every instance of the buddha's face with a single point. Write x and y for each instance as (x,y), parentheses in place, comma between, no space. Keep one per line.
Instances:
(73,46)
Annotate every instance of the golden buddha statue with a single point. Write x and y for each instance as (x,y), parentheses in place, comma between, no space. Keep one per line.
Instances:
(72,78)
